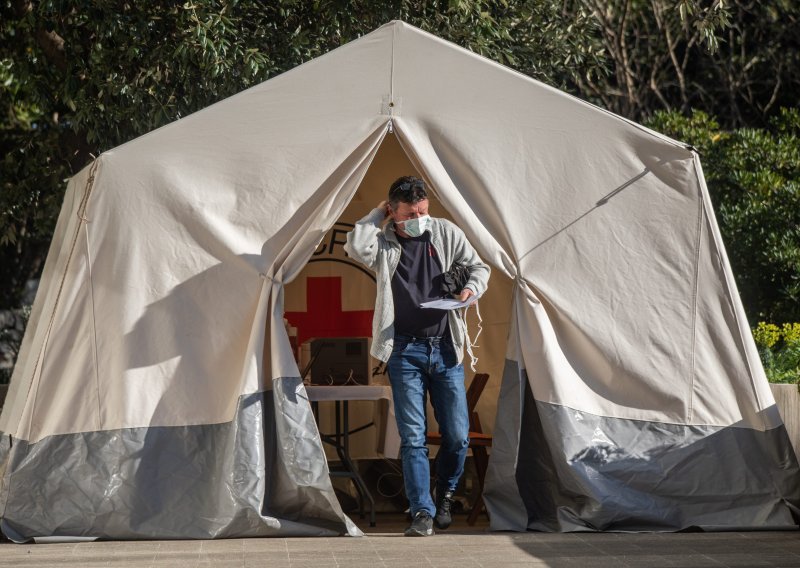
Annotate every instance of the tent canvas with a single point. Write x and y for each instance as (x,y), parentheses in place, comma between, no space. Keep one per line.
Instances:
(156,395)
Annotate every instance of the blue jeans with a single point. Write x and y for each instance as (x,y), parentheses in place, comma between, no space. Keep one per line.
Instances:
(418,366)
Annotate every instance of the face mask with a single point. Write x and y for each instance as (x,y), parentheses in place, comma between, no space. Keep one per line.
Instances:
(415,227)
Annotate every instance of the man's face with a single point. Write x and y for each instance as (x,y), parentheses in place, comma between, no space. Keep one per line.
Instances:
(406,211)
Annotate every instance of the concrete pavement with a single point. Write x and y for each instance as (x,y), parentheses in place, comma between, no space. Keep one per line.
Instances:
(461,546)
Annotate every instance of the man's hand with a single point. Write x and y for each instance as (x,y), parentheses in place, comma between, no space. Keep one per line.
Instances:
(385,206)
(465,294)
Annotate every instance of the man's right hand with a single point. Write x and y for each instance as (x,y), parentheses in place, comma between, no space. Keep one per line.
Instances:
(385,206)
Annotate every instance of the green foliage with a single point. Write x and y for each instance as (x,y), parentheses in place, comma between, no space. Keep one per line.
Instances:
(753,176)
(706,19)
(11,338)
(80,78)
(780,351)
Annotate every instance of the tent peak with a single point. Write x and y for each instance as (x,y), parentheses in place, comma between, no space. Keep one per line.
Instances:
(399,24)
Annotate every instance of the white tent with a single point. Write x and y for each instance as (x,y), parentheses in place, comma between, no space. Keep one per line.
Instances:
(156,394)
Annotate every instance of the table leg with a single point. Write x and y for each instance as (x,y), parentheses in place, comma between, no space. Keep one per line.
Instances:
(361,486)
(341,442)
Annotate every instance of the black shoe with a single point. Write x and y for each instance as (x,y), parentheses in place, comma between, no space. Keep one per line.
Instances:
(443,517)
(422,525)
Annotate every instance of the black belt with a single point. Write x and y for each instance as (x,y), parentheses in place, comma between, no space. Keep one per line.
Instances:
(433,339)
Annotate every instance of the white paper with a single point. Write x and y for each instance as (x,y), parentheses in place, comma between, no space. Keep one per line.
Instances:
(448,304)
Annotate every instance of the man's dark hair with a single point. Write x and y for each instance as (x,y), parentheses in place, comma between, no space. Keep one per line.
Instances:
(407,189)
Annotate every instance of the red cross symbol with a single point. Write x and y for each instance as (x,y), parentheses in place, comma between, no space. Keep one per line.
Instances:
(324,316)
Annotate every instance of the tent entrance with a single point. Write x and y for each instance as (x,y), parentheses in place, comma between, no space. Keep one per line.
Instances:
(334,296)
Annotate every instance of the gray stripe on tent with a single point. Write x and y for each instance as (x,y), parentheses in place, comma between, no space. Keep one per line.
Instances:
(207,481)
(574,471)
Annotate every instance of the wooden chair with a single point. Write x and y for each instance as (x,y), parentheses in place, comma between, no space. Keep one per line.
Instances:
(478,441)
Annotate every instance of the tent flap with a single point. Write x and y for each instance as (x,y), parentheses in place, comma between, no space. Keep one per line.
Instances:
(164,482)
(576,471)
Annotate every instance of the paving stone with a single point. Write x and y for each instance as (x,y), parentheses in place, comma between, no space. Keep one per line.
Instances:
(464,548)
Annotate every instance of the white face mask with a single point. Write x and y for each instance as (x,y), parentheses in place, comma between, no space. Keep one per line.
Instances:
(415,227)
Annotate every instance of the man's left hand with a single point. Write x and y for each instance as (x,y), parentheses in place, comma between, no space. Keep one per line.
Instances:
(465,294)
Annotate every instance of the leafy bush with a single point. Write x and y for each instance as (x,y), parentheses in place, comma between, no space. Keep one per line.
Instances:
(780,351)
(12,329)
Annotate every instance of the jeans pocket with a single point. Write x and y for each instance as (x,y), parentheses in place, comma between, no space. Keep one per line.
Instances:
(449,357)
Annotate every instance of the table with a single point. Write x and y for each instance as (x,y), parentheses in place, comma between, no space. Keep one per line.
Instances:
(340,440)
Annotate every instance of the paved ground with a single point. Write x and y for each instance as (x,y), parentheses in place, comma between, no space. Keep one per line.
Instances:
(460,547)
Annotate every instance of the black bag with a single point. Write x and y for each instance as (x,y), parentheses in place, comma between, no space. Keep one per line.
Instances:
(454,280)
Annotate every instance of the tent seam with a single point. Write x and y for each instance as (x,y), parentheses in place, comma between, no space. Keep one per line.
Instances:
(81,220)
(94,329)
(695,292)
(726,275)
(391,75)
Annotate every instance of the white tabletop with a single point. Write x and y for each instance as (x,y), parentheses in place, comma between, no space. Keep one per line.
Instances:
(391,441)
(348,392)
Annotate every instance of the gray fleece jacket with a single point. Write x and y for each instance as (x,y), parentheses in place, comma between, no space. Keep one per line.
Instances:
(379,250)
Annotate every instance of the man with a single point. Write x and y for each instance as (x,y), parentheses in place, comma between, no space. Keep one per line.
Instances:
(423,348)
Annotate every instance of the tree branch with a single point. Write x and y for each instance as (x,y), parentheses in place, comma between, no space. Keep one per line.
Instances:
(51,43)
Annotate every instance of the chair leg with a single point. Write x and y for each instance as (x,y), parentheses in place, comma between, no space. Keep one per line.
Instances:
(481,459)
(476,510)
